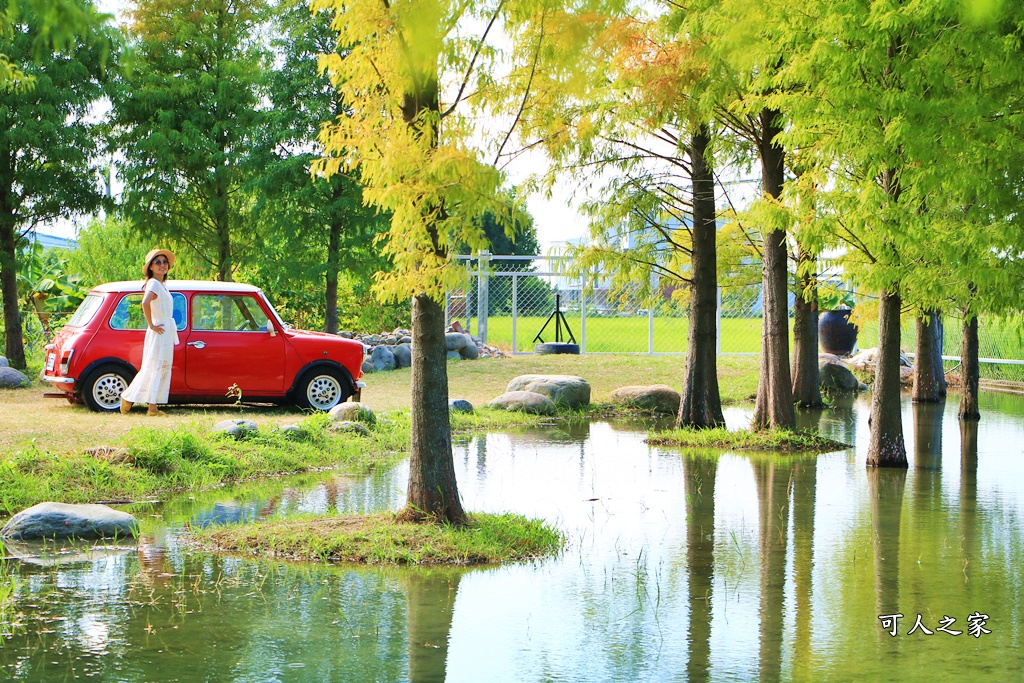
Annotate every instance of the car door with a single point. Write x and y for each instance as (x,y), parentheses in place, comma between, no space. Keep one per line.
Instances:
(232,343)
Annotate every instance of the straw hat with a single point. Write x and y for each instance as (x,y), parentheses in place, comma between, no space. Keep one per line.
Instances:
(152,255)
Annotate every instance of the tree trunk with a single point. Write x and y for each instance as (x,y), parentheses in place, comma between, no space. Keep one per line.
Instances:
(433,493)
(774,407)
(14,346)
(886,487)
(805,482)
(929,375)
(701,405)
(886,447)
(331,284)
(806,382)
(969,370)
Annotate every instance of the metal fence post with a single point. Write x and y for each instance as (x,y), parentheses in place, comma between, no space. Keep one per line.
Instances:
(718,323)
(583,314)
(650,314)
(515,311)
(482,284)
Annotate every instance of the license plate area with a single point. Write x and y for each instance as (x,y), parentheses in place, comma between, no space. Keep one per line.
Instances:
(51,361)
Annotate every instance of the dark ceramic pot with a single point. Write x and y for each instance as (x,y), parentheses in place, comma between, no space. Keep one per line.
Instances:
(836,334)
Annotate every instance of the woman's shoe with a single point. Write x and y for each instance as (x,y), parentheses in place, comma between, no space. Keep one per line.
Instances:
(125,406)
(155,412)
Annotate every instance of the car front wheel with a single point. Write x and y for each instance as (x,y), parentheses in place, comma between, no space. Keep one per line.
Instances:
(102,389)
(322,389)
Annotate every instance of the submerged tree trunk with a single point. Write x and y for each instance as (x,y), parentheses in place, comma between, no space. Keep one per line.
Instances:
(700,561)
(969,370)
(701,404)
(806,381)
(929,375)
(886,446)
(774,482)
(430,606)
(433,494)
(774,407)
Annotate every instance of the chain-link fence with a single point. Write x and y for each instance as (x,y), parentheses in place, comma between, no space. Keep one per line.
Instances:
(510,303)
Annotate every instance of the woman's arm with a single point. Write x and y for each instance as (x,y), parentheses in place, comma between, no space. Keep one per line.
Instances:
(147,309)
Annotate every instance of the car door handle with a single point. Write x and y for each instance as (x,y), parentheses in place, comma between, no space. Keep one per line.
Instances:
(198,344)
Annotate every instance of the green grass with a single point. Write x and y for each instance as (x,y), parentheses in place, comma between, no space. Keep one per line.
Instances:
(152,461)
(764,441)
(380,539)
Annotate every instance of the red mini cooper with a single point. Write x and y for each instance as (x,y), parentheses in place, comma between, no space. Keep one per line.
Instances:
(232,345)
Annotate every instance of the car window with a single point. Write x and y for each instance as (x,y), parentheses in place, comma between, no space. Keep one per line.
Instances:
(227,313)
(129,316)
(86,310)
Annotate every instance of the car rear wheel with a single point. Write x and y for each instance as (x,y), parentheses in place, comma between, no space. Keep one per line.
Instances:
(102,389)
(322,389)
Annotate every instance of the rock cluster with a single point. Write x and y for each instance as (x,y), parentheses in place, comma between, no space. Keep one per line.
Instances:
(393,350)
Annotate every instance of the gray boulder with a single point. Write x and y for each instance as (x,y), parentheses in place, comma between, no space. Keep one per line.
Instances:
(61,520)
(351,427)
(406,339)
(524,402)
(352,411)
(454,355)
(383,359)
(403,355)
(459,405)
(291,431)
(470,351)
(238,429)
(455,340)
(3,362)
(367,366)
(834,377)
(12,379)
(659,398)
(567,390)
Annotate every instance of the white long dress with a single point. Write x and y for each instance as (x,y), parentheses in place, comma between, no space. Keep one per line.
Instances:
(153,383)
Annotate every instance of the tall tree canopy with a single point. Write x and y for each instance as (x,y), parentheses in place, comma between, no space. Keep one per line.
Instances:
(48,143)
(185,118)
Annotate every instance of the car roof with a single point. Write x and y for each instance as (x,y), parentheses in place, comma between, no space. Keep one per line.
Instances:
(179,285)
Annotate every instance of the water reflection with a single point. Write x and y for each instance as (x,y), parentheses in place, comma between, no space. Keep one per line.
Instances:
(679,566)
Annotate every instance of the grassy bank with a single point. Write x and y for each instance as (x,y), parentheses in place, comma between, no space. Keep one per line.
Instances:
(766,441)
(379,539)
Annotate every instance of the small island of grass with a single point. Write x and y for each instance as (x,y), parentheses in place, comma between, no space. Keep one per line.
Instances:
(772,440)
(380,539)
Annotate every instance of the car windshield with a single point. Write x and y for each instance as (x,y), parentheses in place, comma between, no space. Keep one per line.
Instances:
(273,311)
(86,310)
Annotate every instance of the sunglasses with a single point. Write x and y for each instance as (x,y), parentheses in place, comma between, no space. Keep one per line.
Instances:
(160,262)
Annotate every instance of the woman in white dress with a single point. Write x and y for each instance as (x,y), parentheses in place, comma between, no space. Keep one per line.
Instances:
(153,382)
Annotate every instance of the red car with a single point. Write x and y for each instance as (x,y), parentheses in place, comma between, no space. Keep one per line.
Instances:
(231,341)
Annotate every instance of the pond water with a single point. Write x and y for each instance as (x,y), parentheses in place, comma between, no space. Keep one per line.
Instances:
(696,566)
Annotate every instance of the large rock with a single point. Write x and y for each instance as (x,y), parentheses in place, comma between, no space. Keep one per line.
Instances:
(238,429)
(470,350)
(403,355)
(12,379)
(455,341)
(61,520)
(659,398)
(351,411)
(3,362)
(459,405)
(349,426)
(834,377)
(383,359)
(566,390)
(524,402)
